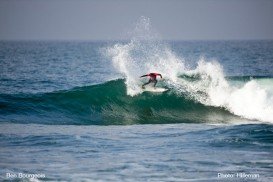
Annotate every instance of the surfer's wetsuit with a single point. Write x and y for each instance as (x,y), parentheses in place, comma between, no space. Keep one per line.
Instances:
(152,78)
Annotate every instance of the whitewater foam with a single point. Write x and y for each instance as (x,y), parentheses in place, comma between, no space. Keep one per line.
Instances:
(252,100)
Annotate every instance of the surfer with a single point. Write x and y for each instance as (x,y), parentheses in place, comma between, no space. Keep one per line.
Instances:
(152,79)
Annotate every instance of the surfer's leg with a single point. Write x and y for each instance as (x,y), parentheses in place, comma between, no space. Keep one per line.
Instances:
(155,82)
(143,86)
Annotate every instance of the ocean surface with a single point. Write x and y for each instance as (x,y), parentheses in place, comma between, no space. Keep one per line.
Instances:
(75,111)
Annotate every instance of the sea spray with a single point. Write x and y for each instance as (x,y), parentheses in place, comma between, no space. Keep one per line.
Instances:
(142,55)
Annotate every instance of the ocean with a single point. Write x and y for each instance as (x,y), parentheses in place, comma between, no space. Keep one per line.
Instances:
(75,111)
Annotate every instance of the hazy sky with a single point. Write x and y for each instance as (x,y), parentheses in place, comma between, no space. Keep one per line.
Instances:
(110,19)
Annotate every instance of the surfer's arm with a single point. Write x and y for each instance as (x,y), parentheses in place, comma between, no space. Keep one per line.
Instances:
(159,75)
(144,76)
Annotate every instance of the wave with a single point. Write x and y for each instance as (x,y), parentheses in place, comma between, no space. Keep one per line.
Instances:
(106,104)
(109,103)
(206,83)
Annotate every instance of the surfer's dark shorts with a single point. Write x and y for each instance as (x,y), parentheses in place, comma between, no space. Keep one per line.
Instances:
(152,81)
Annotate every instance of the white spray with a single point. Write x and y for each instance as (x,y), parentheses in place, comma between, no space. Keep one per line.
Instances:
(144,54)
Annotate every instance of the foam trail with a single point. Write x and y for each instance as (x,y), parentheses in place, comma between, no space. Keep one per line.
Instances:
(146,53)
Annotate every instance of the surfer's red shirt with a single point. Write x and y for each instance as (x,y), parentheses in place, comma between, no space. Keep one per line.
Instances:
(153,75)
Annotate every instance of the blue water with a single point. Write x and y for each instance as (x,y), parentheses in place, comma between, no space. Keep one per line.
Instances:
(66,111)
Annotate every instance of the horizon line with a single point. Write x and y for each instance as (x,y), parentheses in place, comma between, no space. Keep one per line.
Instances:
(123,40)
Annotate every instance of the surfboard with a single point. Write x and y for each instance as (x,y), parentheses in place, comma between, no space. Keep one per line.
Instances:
(156,89)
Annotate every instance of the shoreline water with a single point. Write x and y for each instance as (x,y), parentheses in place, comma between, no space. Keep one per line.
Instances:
(136,152)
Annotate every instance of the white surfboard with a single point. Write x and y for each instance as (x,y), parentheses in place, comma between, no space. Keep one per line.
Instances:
(156,89)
